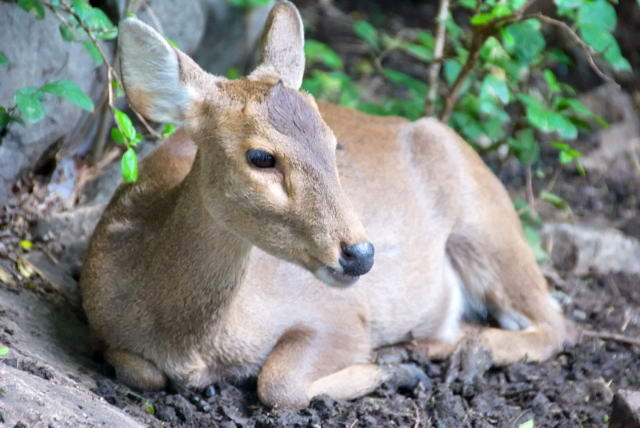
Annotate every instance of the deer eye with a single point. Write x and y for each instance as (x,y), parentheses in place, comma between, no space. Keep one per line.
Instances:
(261,159)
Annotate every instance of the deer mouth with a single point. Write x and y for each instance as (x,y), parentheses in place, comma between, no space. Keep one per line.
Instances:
(334,277)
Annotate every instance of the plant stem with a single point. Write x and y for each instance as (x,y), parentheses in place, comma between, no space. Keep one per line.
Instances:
(586,48)
(111,72)
(434,69)
(531,197)
(477,41)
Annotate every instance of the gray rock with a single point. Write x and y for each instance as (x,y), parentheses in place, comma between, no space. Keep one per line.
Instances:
(231,37)
(38,55)
(617,153)
(625,409)
(181,21)
(580,249)
(47,377)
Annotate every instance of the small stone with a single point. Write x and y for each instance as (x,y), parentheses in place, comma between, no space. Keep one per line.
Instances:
(625,409)
(579,315)
(209,391)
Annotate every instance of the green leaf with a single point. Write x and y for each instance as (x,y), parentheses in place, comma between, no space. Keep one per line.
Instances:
(451,70)
(168,129)
(615,58)
(481,18)
(597,37)
(525,147)
(124,124)
(598,13)
(32,6)
(554,200)
(136,140)
(129,166)
(366,32)
(69,91)
(552,81)
(117,136)
(426,39)
(148,407)
(573,104)
(108,34)
(67,33)
(563,126)
(233,73)
(524,40)
(172,43)
(26,244)
(4,61)
(568,4)
(418,51)
(567,153)
(5,118)
(528,424)
(417,87)
(533,239)
(516,4)
(492,86)
(467,125)
(117,88)
(316,51)
(3,351)
(93,51)
(500,10)
(29,104)
(470,4)
(94,18)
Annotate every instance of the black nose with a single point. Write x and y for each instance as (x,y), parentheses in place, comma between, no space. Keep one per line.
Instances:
(357,259)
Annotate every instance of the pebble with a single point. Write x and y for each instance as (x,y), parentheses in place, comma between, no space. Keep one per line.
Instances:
(209,391)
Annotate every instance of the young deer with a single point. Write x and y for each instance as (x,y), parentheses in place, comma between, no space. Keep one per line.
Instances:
(238,250)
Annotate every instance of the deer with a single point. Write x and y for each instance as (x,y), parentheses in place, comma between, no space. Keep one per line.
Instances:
(246,247)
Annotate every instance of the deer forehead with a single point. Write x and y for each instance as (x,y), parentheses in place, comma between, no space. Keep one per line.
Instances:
(288,120)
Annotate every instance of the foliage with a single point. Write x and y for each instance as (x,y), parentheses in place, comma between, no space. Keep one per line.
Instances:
(498,75)
(81,23)
(248,4)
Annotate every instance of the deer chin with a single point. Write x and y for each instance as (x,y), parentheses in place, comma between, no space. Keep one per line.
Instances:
(334,277)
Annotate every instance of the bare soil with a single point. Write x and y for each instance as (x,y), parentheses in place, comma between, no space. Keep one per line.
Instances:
(575,388)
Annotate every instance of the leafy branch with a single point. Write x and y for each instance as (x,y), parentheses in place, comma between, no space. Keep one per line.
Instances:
(82,23)
(434,69)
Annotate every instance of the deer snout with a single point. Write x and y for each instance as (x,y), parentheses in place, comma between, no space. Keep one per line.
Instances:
(357,259)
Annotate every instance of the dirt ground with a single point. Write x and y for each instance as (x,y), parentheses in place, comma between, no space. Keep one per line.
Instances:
(575,388)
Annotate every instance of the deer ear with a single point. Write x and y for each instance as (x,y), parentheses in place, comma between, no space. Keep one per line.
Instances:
(282,54)
(158,79)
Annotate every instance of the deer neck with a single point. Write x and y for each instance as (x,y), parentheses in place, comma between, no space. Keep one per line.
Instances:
(217,257)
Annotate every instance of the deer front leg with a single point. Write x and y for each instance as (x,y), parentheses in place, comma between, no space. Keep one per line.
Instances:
(304,364)
(300,358)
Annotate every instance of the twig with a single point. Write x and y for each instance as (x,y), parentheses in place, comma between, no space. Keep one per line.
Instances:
(481,33)
(111,73)
(531,198)
(353,424)
(417,410)
(610,336)
(434,68)
(587,49)
(477,40)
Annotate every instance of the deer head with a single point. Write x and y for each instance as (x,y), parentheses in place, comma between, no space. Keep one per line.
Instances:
(266,166)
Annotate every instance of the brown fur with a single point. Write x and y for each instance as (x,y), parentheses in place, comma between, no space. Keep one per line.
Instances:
(204,268)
